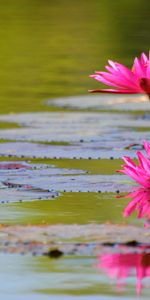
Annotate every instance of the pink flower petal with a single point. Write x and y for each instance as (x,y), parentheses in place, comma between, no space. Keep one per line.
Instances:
(128,161)
(136,175)
(138,69)
(126,81)
(144,162)
(112,91)
(144,59)
(147,147)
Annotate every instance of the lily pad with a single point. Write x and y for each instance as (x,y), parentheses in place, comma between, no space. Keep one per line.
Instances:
(91,150)
(14,165)
(16,177)
(18,194)
(73,127)
(74,183)
(103,102)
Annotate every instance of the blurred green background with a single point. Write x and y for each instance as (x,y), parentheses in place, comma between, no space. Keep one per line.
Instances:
(48,48)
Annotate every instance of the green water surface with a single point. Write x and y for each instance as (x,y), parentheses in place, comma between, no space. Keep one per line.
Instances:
(48,49)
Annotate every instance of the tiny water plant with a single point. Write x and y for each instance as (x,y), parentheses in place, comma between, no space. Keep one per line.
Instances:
(123,80)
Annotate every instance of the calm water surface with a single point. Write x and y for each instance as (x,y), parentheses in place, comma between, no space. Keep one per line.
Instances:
(48,49)
(67,278)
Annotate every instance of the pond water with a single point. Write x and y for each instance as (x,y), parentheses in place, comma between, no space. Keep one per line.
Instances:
(68,278)
(49,48)
(62,233)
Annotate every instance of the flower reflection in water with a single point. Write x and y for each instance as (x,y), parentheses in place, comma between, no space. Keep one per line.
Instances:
(123,265)
(120,266)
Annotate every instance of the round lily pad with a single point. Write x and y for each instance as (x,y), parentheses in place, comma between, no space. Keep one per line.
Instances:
(103,102)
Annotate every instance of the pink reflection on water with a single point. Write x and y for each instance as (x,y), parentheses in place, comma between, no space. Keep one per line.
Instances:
(120,266)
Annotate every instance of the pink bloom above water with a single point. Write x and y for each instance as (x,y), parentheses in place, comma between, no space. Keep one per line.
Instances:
(124,80)
(139,172)
(140,202)
(120,266)
(140,197)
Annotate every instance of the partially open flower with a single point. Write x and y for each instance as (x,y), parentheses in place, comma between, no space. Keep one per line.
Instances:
(126,81)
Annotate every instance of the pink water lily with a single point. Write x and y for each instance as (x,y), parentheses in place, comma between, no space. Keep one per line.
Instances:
(139,172)
(126,81)
(140,197)
(140,202)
